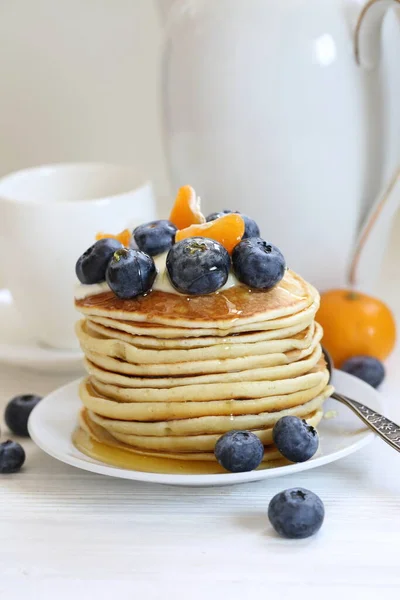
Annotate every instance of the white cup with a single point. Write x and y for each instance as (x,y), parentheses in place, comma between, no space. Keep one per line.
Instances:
(49,216)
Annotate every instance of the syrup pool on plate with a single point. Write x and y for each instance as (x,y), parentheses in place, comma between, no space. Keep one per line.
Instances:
(124,459)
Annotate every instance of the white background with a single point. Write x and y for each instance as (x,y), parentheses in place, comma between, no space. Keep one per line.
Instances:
(79,80)
(66,534)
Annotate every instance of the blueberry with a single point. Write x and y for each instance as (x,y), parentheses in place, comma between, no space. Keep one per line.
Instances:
(198,265)
(367,368)
(91,266)
(155,237)
(12,457)
(216,215)
(251,227)
(296,513)
(239,451)
(295,439)
(130,273)
(258,264)
(17,413)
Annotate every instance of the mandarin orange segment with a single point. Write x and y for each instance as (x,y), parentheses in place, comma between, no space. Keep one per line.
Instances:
(227,230)
(124,237)
(186,210)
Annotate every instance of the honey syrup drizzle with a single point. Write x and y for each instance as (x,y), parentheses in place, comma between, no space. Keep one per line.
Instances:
(124,459)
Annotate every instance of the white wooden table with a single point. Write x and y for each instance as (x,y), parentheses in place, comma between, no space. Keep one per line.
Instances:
(68,534)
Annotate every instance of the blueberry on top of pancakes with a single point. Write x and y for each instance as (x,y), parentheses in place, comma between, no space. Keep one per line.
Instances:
(155,237)
(130,273)
(251,227)
(91,266)
(198,265)
(258,264)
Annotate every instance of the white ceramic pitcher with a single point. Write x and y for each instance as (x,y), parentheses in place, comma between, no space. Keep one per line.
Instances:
(289,111)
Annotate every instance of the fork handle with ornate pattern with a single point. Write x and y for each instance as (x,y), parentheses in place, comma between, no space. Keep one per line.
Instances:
(386,429)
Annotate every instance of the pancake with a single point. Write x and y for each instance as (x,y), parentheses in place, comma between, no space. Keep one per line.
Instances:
(94,396)
(168,374)
(208,425)
(99,326)
(184,446)
(95,342)
(210,391)
(198,367)
(237,306)
(107,440)
(104,366)
(109,371)
(100,366)
(299,320)
(197,443)
(294,369)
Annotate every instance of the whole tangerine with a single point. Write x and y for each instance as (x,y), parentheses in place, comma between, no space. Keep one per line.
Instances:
(354,324)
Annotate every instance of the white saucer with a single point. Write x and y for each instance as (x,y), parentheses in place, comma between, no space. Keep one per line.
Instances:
(53,420)
(18,350)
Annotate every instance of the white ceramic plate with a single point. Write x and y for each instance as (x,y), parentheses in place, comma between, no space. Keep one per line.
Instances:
(54,419)
(17,349)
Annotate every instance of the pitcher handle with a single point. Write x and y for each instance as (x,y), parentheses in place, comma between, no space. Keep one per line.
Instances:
(366,48)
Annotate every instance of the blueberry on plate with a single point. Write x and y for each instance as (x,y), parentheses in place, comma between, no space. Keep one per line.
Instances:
(155,237)
(239,451)
(295,439)
(17,413)
(258,264)
(251,227)
(91,266)
(198,265)
(130,273)
(296,513)
(367,368)
(12,457)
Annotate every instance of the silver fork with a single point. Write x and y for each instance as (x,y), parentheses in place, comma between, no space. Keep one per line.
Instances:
(385,428)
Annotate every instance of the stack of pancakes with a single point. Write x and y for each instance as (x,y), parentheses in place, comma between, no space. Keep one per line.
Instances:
(169,374)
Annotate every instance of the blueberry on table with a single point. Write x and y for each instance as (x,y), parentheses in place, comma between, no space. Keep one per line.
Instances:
(198,266)
(258,264)
(296,513)
(91,266)
(239,451)
(251,228)
(12,457)
(367,368)
(155,237)
(17,413)
(295,439)
(130,273)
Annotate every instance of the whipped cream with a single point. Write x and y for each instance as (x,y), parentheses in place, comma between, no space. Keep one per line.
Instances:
(161,282)
(84,291)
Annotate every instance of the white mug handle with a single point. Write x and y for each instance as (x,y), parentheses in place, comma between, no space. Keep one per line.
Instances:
(374,236)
